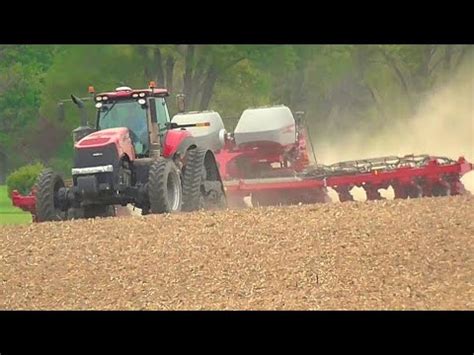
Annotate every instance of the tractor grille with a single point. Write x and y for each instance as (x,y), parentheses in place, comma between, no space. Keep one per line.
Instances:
(87,157)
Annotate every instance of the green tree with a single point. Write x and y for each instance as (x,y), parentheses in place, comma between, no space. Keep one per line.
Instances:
(22,70)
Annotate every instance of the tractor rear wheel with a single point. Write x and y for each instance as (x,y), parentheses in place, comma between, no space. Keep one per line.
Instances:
(202,187)
(48,203)
(193,176)
(164,187)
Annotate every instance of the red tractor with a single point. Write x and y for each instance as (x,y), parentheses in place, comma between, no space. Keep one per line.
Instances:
(134,155)
(167,166)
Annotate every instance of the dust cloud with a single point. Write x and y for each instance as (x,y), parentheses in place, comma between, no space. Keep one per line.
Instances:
(443,125)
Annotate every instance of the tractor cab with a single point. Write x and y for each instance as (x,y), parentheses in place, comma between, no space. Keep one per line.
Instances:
(144,112)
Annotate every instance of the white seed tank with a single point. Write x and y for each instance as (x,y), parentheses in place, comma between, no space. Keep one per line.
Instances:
(207,136)
(266,124)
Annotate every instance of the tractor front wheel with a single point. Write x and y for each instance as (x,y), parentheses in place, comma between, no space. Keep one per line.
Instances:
(49,187)
(164,187)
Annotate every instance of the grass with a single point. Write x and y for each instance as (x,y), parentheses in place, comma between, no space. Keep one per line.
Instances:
(10,214)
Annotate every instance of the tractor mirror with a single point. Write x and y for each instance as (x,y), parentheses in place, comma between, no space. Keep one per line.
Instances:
(77,101)
(61,112)
(180,103)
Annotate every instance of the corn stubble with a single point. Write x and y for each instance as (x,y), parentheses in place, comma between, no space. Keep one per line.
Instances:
(397,254)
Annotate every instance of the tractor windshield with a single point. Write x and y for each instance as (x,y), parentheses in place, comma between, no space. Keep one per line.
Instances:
(127,113)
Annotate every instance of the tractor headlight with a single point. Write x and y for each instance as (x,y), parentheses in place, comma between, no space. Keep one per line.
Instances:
(98,98)
(142,101)
(142,94)
(98,105)
(135,95)
(104,98)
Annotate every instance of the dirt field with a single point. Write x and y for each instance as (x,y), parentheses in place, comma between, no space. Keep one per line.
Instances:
(412,254)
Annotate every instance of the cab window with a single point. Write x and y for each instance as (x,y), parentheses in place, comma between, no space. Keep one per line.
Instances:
(162,114)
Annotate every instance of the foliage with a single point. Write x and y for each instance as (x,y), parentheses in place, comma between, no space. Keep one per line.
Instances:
(24,178)
(341,87)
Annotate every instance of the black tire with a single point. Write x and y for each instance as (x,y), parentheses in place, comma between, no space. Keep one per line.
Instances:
(164,187)
(193,176)
(47,204)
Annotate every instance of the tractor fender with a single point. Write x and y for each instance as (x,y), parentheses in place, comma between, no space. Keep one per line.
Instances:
(211,164)
(177,142)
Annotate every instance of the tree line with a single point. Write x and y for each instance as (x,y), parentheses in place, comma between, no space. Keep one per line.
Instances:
(340,87)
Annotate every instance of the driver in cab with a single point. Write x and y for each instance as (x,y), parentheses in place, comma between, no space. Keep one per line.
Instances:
(137,125)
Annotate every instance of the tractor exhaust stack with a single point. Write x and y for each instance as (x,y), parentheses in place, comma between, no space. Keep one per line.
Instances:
(84,129)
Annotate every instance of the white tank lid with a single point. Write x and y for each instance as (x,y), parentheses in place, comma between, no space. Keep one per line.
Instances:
(123,88)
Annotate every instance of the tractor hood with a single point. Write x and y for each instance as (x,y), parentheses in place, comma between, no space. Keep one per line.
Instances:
(104,137)
(119,137)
